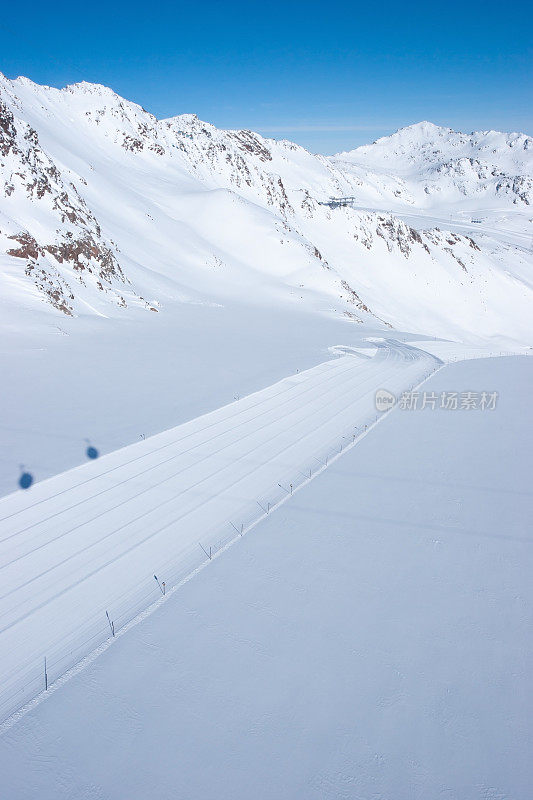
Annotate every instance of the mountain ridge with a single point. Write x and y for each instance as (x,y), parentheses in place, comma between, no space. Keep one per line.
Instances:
(187,212)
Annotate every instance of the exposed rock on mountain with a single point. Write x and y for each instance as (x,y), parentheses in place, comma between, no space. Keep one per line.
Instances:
(102,205)
(60,240)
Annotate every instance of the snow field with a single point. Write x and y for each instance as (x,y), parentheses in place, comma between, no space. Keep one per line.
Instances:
(370,639)
(90,541)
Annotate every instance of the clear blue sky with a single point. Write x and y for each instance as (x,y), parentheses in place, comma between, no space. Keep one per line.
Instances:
(330,75)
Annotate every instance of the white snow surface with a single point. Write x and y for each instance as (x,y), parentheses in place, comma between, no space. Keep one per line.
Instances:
(91,540)
(213,311)
(369,639)
(201,264)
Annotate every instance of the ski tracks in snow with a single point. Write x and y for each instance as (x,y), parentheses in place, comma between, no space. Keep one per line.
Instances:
(91,539)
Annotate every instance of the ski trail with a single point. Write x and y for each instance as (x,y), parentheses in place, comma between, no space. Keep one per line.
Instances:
(89,541)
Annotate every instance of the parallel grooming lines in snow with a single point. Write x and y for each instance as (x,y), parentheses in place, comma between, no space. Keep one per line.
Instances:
(55,581)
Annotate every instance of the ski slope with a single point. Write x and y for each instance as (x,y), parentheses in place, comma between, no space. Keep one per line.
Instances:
(89,541)
(369,639)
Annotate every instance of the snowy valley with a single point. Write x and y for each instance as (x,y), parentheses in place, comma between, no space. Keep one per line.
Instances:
(211,313)
(128,244)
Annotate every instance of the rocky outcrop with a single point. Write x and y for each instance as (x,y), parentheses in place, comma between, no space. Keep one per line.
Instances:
(181,191)
(74,251)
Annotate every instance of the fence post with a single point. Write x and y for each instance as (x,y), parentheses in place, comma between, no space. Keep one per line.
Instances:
(111,623)
(205,551)
(45,676)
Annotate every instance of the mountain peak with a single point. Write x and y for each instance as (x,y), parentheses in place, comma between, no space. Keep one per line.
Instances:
(424,128)
(407,136)
(85,87)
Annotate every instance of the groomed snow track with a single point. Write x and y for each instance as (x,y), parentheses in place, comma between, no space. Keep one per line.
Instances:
(89,541)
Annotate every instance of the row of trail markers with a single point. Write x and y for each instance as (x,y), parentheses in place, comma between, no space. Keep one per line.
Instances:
(289,491)
(26,480)
(163,589)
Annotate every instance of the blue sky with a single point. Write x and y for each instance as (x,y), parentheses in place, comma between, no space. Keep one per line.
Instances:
(329,75)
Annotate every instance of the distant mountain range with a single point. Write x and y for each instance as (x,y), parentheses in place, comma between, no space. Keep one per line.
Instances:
(105,210)
(435,166)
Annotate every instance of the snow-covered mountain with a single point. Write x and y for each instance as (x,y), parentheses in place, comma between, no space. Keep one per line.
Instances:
(436,165)
(105,210)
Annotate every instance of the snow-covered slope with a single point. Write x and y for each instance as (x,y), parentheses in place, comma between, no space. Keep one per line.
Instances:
(106,210)
(370,639)
(90,540)
(152,271)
